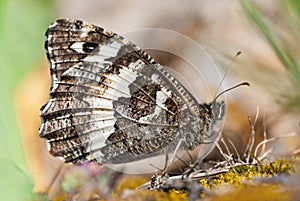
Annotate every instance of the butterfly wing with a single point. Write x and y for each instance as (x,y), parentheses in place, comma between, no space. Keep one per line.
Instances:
(109,100)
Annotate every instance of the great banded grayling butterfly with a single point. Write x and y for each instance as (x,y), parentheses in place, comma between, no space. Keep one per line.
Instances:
(111,103)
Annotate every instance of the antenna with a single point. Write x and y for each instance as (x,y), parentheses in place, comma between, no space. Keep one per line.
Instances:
(226,90)
(223,78)
(226,72)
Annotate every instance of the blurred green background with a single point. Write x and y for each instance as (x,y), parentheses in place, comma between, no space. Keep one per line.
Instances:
(22,27)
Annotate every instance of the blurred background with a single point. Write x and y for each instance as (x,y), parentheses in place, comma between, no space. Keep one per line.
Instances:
(267,32)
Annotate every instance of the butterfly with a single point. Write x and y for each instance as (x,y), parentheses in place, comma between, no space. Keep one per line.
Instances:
(112,103)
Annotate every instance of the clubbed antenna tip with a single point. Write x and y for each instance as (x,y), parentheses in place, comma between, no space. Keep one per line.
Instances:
(226,90)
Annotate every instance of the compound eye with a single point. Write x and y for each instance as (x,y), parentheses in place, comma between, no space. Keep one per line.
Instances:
(218,110)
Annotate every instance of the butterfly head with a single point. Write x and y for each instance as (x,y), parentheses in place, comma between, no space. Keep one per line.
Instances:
(217,110)
(211,114)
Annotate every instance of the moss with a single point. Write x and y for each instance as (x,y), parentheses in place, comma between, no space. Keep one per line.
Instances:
(177,195)
(204,183)
(147,195)
(257,193)
(61,197)
(133,182)
(235,181)
(128,183)
(239,183)
(229,177)
(248,172)
(236,184)
(279,167)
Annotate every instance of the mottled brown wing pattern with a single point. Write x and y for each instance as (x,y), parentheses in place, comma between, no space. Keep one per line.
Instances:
(99,95)
(110,102)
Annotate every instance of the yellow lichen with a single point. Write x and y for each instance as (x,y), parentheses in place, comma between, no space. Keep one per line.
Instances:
(129,182)
(156,196)
(257,193)
(236,184)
